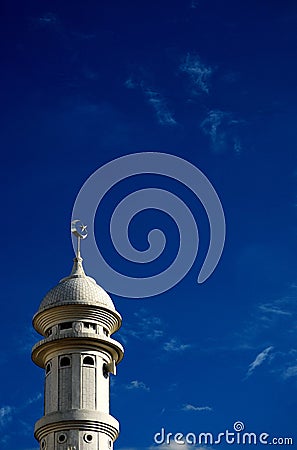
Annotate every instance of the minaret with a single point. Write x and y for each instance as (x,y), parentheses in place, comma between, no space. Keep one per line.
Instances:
(76,319)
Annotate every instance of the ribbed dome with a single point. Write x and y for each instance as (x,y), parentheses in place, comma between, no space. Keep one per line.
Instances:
(77,288)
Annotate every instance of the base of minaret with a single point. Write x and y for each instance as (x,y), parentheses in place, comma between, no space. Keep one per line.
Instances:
(77,430)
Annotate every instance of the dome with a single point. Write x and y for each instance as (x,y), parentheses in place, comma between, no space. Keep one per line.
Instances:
(77,288)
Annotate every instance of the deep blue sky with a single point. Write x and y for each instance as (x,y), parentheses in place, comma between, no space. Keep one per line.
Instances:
(213,82)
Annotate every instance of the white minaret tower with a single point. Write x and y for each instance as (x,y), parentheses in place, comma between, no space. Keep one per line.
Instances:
(77,318)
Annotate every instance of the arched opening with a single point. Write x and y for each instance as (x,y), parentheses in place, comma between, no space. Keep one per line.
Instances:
(105,370)
(65,361)
(88,382)
(48,368)
(65,325)
(88,361)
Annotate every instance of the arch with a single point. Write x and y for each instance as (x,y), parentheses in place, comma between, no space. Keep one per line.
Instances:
(88,361)
(65,361)
(48,368)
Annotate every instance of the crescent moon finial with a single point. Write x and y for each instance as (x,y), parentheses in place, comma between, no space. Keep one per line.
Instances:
(80,231)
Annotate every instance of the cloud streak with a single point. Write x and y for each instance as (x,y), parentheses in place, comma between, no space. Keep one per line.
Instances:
(258,361)
(171,446)
(48,19)
(135,384)
(222,129)
(176,446)
(146,327)
(158,103)
(194,4)
(290,372)
(5,415)
(190,407)
(155,100)
(273,321)
(198,73)
(273,309)
(175,346)
(8,412)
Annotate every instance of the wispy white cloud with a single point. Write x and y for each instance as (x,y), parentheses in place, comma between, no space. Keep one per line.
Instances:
(34,399)
(178,446)
(237,145)
(171,446)
(190,407)
(269,323)
(194,4)
(146,327)
(222,129)
(211,126)
(130,83)
(151,328)
(260,358)
(198,72)
(272,308)
(27,338)
(275,319)
(290,372)
(175,346)
(146,319)
(164,115)
(48,19)
(135,384)
(154,99)
(5,414)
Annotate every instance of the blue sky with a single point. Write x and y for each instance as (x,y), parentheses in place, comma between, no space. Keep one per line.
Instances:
(213,82)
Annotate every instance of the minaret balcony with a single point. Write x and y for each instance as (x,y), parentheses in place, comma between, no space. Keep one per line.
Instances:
(48,318)
(43,350)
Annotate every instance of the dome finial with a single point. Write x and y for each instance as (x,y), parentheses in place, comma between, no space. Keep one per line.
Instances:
(82,234)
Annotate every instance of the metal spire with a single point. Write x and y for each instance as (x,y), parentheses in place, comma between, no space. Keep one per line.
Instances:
(77,225)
